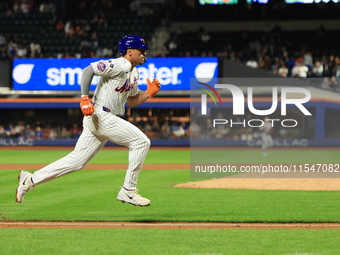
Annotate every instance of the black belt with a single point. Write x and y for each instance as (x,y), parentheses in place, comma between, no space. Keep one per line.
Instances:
(104,108)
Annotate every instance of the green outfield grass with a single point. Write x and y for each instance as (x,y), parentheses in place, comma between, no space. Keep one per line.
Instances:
(160,241)
(90,195)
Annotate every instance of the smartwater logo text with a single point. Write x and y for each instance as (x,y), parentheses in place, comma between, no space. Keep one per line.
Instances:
(65,74)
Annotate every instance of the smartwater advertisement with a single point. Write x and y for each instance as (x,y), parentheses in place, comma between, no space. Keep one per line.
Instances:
(65,74)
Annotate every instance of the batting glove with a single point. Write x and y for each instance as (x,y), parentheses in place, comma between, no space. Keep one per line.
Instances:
(153,87)
(86,106)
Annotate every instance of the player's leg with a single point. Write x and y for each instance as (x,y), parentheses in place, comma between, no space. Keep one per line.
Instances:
(270,141)
(86,148)
(124,133)
(138,144)
(88,145)
(264,144)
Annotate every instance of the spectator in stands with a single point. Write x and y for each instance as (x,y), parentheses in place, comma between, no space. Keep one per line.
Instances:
(64,133)
(260,63)
(165,130)
(19,127)
(173,48)
(255,46)
(223,54)
(246,136)
(99,52)
(2,39)
(24,6)
(68,55)
(285,57)
(4,54)
(52,133)
(251,63)
(38,132)
(337,67)
(29,132)
(16,6)
(267,62)
(21,51)
(332,63)
(143,124)
(51,6)
(205,37)
(325,83)
(207,129)
(70,34)
(194,130)
(67,26)
(308,59)
(283,70)
(35,49)
(275,65)
(330,66)
(107,51)
(222,132)
(94,40)
(317,69)
(179,132)
(334,84)
(2,132)
(75,131)
(60,25)
(163,52)
(43,7)
(10,131)
(12,48)
(300,70)
(155,125)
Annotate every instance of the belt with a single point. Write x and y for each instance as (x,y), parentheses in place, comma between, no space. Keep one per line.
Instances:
(104,108)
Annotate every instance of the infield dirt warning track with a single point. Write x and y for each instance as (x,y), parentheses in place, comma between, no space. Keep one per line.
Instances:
(169,225)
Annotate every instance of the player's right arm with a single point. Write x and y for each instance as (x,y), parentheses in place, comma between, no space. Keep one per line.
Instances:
(85,104)
(86,79)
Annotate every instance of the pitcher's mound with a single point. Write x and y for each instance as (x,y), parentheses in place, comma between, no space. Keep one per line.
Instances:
(252,181)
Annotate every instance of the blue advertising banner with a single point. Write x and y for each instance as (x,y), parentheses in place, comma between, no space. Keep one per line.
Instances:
(65,74)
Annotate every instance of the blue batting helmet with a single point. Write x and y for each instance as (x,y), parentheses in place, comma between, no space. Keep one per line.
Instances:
(131,42)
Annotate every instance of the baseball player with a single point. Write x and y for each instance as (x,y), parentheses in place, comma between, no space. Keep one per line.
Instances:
(266,135)
(101,123)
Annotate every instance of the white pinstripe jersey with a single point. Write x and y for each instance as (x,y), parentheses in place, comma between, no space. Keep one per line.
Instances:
(115,85)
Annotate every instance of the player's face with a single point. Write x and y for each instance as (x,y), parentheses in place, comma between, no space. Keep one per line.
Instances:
(139,55)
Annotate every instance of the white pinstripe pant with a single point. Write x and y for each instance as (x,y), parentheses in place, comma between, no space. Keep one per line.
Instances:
(98,129)
(267,140)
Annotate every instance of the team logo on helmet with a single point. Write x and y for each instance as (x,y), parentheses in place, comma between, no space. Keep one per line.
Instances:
(143,40)
(101,66)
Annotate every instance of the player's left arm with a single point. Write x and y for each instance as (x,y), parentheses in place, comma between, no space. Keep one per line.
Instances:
(136,100)
(151,91)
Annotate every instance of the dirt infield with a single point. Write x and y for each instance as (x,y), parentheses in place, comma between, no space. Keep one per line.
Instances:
(169,225)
